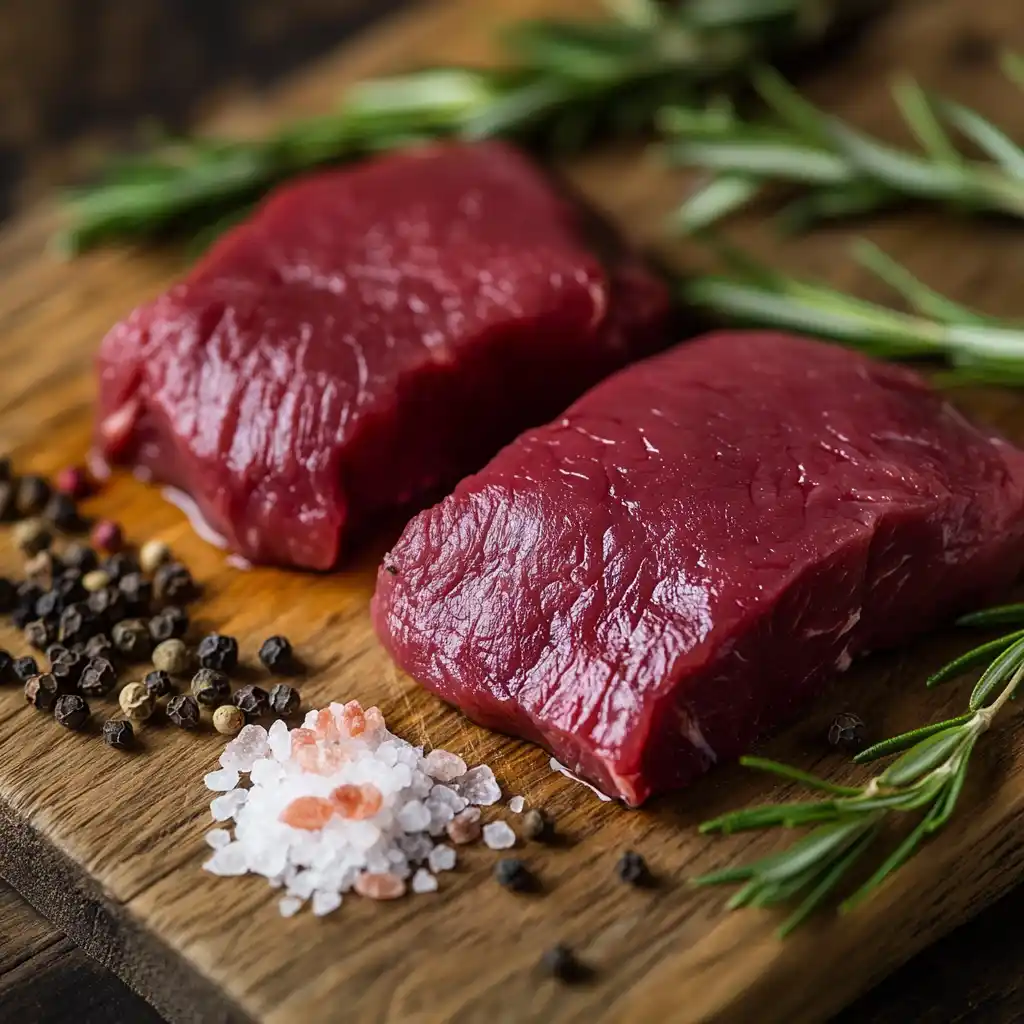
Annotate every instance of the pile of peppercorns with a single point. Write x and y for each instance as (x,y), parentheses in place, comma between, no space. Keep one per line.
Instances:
(95,610)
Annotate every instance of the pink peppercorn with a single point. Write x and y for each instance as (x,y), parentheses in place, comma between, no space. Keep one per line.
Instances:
(107,536)
(74,482)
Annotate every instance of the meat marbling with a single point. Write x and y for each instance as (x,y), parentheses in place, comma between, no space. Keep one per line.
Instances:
(651,581)
(368,337)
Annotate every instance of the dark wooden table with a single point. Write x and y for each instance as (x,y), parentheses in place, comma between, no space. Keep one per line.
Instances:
(79,75)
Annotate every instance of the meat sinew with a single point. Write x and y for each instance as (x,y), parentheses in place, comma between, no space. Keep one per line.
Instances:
(370,335)
(650,582)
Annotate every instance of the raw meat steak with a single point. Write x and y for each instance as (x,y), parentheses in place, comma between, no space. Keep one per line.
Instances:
(650,582)
(368,337)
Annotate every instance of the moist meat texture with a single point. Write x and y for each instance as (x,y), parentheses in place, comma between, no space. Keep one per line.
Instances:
(650,582)
(368,337)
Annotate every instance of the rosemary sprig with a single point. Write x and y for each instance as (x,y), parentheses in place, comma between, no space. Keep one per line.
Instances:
(842,170)
(976,347)
(569,83)
(925,780)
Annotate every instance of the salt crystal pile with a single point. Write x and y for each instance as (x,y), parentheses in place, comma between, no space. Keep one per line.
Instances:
(341,805)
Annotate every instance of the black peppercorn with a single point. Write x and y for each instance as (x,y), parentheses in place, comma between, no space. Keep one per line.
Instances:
(68,669)
(131,637)
(847,732)
(6,667)
(120,735)
(49,604)
(183,711)
(210,687)
(21,617)
(561,963)
(158,683)
(173,584)
(39,634)
(70,588)
(277,656)
(24,669)
(251,699)
(8,596)
(138,592)
(71,711)
(80,557)
(42,691)
(513,874)
(99,646)
(97,678)
(76,624)
(284,700)
(632,869)
(63,513)
(55,652)
(8,509)
(218,652)
(32,495)
(120,565)
(108,605)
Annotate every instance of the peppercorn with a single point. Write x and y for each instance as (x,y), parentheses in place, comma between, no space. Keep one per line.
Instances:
(76,624)
(847,732)
(74,482)
(513,874)
(153,554)
(138,592)
(42,691)
(172,657)
(21,617)
(118,734)
(6,666)
(218,652)
(99,646)
(173,583)
(228,719)
(632,869)
(25,669)
(49,605)
(33,494)
(561,963)
(158,683)
(8,595)
(136,702)
(55,652)
(252,700)
(40,567)
(210,687)
(284,700)
(107,536)
(537,825)
(81,557)
(69,586)
(97,678)
(108,605)
(277,656)
(39,634)
(95,580)
(32,536)
(71,711)
(8,503)
(68,669)
(131,637)
(169,624)
(63,513)
(183,711)
(28,592)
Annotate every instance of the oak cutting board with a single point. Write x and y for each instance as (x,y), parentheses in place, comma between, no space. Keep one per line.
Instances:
(110,846)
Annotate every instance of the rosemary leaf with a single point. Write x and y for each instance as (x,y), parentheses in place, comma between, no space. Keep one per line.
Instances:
(1004,664)
(923,757)
(979,654)
(999,615)
(719,197)
(789,772)
(908,739)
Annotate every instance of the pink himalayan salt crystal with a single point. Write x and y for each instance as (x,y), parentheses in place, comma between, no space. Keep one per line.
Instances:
(385,886)
(444,766)
(464,827)
(326,727)
(374,720)
(357,802)
(353,721)
(308,812)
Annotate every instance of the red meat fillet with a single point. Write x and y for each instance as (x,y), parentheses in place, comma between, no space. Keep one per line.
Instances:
(368,337)
(650,582)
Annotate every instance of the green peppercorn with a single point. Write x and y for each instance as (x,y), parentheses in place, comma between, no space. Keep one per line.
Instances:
(210,687)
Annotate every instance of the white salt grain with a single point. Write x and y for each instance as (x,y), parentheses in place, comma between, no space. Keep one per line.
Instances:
(228,860)
(499,836)
(516,804)
(414,816)
(221,781)
(478,786)
(228,804)
(289,905)
(442,858)
(325,902)
(444,766)
(423,881)
(279,740)
(217,837)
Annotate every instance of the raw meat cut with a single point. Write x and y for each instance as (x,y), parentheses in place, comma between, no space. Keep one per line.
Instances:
(368,337)
(651,581)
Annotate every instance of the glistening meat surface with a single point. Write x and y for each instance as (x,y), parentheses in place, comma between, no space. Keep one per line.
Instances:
(366,338)
(673,567)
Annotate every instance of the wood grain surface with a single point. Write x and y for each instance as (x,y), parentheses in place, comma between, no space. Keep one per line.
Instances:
(110,847)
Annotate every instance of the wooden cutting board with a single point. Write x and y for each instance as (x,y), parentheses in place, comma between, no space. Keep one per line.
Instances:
(110,846)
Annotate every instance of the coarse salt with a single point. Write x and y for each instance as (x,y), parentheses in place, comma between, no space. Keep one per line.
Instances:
(221,781)
(442,858)
(499,836)
(424,881)
(516,804)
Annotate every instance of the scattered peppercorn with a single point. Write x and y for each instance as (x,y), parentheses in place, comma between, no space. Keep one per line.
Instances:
(39,634)
(252,700)
(537,825)
(277,655)
(98,678)
(8,595)
(40,567)
(25,669)
(49,605)
(138,592)
(68,669)
(847,732)
(633,870)
(63,513)
(8,509)
(210,687)
(28,593)
(513,874)
(218,652)
(136,702)
(32,536)
(118,565)
(561,963)
(228,719)
(6,667)
(108,605)
(168,624)
(107,536)
(55,652)
(284,700)
(131,637)
(118,734)
(42,691)
(69,586)
(77,624)
(173,584)
(95,580)
(33,494)
(153,554)
(99,646)
(172,658)
(81,557)
(183,711)
(71,711)
(158,683)
(74,481)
